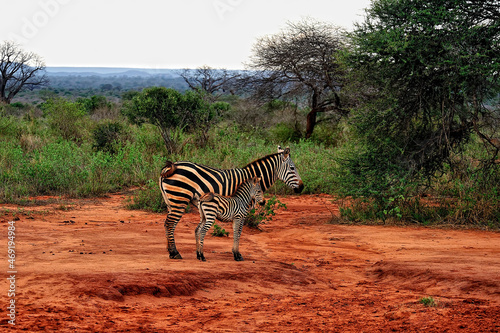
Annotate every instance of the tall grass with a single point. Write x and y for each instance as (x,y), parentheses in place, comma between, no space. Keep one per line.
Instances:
(64,168)
(36,158)
(75,168)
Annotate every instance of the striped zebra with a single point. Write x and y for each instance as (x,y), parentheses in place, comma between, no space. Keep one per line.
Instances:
(181,181)
(227,209)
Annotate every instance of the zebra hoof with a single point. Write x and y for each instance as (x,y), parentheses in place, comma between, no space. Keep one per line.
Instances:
(238,257)
(175,255)
(200,256)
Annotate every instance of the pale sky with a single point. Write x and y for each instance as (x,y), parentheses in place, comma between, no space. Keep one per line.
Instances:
(158,34)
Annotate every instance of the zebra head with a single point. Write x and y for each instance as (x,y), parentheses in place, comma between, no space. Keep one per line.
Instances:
(256,192)
(287,171)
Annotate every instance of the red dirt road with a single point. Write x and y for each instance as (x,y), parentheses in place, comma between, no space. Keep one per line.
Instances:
(94,266)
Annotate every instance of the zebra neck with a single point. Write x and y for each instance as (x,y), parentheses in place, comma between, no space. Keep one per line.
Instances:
(266,168)
(243,195)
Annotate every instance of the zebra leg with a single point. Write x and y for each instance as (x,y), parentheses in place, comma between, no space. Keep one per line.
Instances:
(197,234)
(171,221)
(209,220)
(237,228)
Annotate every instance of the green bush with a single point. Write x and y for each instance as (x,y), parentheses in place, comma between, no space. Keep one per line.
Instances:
(66,168)
(56,168)
(106,136)
(219,231)
(18,105)
(170,111)
(428,301)
(285,133)
(66,119)
(8,126)
(89,105)
(327,134)
(262,214)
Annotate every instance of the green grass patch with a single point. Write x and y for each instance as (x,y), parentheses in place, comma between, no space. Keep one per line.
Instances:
(428,301)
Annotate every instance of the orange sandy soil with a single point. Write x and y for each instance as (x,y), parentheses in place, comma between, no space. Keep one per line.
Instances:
(98,267)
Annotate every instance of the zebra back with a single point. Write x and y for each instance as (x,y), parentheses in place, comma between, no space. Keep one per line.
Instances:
(180,181)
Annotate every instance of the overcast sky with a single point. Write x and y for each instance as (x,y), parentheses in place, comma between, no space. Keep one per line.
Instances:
(158,33)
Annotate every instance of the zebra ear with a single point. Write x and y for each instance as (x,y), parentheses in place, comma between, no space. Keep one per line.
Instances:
(286,152)
(280,150)
(257,180)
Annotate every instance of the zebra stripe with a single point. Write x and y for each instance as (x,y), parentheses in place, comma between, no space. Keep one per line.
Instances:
(181,181)
(227,209)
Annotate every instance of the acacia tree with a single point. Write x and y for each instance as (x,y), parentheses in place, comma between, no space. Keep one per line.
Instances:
(301,61)
(166,108)
(210,81)
(433,68)
(19,70)
(172,112)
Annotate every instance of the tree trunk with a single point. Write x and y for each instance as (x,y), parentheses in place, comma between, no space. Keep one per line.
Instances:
(311,122)
(311,116)
(169,144)
(5,100)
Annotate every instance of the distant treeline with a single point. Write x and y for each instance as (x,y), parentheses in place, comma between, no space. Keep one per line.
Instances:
(113,86)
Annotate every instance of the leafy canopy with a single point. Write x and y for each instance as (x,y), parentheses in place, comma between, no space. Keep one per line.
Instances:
(171,111)
(431,67)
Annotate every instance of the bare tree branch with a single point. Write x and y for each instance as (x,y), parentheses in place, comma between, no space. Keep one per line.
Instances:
(210,80)
(19,70)
(300,61)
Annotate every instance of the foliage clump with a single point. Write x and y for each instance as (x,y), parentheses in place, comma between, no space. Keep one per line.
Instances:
(106,136)
(429,71)
(219,231)
(171,112)
(262,214)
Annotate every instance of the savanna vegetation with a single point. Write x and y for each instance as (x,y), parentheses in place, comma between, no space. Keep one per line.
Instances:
(399,119)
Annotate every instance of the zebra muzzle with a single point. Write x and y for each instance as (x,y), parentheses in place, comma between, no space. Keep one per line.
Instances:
(299,188)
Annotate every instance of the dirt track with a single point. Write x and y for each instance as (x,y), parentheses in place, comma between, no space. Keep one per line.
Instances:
(99,267)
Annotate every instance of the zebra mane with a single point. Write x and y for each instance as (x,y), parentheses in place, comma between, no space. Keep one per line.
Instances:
(262,158)
(245,186)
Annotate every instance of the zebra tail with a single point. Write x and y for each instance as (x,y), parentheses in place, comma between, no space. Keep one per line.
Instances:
(196,200)
(168,170)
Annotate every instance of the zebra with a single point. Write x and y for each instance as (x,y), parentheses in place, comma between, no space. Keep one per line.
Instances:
(181,181)
(227,209)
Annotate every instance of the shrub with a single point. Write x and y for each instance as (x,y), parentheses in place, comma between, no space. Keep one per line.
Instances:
(149,198)
(57,168)
(65,118)
(9,126)
(169,110)
(18,105)
(327,133)
(106,135)
(285,133)
(219,232)
(89,105)
(262,214)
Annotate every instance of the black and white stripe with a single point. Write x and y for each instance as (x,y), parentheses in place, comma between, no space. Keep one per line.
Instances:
(181,181)
(227,209)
